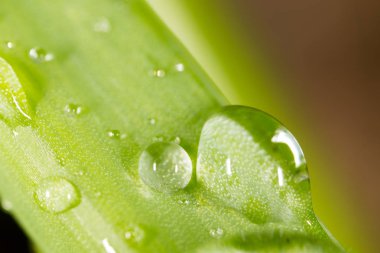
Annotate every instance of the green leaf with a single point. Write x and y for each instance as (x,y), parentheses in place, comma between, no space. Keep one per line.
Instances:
(86,90)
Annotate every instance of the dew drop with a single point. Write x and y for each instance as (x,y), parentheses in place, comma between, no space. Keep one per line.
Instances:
(158,138)
(73,109)
(102,25)
(9,44)
(216,233)
(228,167)
(107,246)
(61,160)
(176,140)
(152,121)
(114,134)
(56,195)
(184,202)
(134,234)
(6,205)
(160,73)
(40,55)
(180,67)
(165,167)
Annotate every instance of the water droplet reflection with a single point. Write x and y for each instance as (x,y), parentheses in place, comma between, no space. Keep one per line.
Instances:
(107,246)
(285,137)
(280,175)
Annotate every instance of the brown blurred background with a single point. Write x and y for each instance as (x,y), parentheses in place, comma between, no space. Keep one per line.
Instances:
(330,50)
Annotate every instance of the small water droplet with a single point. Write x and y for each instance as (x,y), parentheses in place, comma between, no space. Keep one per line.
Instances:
(280,176)
(134,234)
(165,167)
(40,55)
(6,205)
(107,246)
(9,44)
(114,134)
(73,109)
(152,121)
(217,233)
(242,154)
(61,161)
(158,138)
(184,201)
(56,195)
(102,25)
(300,177)
(160,73)
(176,140)
(284,136)
(180,67)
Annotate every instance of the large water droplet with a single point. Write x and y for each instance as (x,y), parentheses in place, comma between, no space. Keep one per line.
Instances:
(134,234)
(249,160)
(57,195)
(14,106)
(165,167)
(40,55)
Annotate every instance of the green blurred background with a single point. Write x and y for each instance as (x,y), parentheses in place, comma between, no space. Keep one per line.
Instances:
(315,66)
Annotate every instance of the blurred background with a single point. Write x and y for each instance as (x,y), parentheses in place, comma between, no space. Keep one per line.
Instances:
(315,65)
